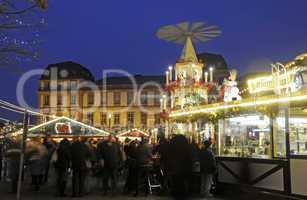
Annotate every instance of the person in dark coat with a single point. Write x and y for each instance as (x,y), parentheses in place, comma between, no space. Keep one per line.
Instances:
(143,158)
(62,165)
(180,166)
(51,147)
(111,154)
(35,154)
(79,154)
(131,163)
(207,166)
(194,178)
(163,152)
(13,156)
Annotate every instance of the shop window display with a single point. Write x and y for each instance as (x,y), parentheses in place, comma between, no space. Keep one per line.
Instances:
(245,136)
(279,132)
(298,132)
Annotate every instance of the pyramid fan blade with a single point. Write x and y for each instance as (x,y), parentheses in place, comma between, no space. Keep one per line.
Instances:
(199,32)
(196,25)
(184,27)
(209,28)
(180,40)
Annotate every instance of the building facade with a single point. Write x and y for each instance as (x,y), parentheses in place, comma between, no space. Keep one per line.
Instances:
(113,103)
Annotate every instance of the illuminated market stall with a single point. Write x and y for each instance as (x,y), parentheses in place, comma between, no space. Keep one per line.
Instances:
(261,137)
(63,127)
(133,134)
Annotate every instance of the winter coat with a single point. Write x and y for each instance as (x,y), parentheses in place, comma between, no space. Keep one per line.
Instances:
(13,158)
(63,155)
(143,154)
(207,161)
(79,154)
(180,162)
(111,154)
(36,164)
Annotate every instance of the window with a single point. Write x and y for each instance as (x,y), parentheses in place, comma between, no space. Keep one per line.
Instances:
(144,98)
(130,118)
(73,100)
(90,118)
(279,132)
(144,119)
(90,98)
(298,132)
(116,98)
(73,114)
(104,98)
(61,86)
(116,119)
(46,100)
(59,100)
(44,85)
(103,119)
(157,119)
(73,85)
(130,98)
(245,136)
(157,99)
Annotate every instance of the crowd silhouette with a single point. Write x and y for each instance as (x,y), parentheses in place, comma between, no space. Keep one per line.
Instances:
(174,166)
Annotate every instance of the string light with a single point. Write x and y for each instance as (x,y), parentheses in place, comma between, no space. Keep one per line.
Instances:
(212,108)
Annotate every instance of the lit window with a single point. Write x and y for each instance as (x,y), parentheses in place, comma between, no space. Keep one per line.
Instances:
(73,85)
(90,118)
(157,99)
(90,98)
(103,119)
(157,119)
(104,98)
(116,119)
(144,119)
(144,98)
(116,98)
(73,100)
(130,97)
(59,100)
(130,118)
(46,100)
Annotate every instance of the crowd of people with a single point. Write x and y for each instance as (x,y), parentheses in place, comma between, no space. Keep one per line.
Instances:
(181,167)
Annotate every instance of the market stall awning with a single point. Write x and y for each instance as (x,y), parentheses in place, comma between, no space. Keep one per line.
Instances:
(64,126)
(135,133)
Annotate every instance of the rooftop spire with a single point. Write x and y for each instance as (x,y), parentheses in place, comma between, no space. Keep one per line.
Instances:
(188,52)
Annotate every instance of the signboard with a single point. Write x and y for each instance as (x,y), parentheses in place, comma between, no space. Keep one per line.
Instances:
(63,128)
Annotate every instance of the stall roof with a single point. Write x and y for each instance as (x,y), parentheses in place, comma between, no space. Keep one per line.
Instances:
(133,133)
(70,126)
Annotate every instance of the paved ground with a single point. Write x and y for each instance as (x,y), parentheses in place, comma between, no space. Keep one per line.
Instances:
(47,192)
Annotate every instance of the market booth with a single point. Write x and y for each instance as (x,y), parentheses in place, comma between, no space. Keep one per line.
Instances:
(261,138)
(134,134)
(64,127)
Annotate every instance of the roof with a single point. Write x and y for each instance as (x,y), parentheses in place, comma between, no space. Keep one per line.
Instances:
(67,70)
(75,128)
(213,60)
(188,52)
(133,133)
(117,81)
